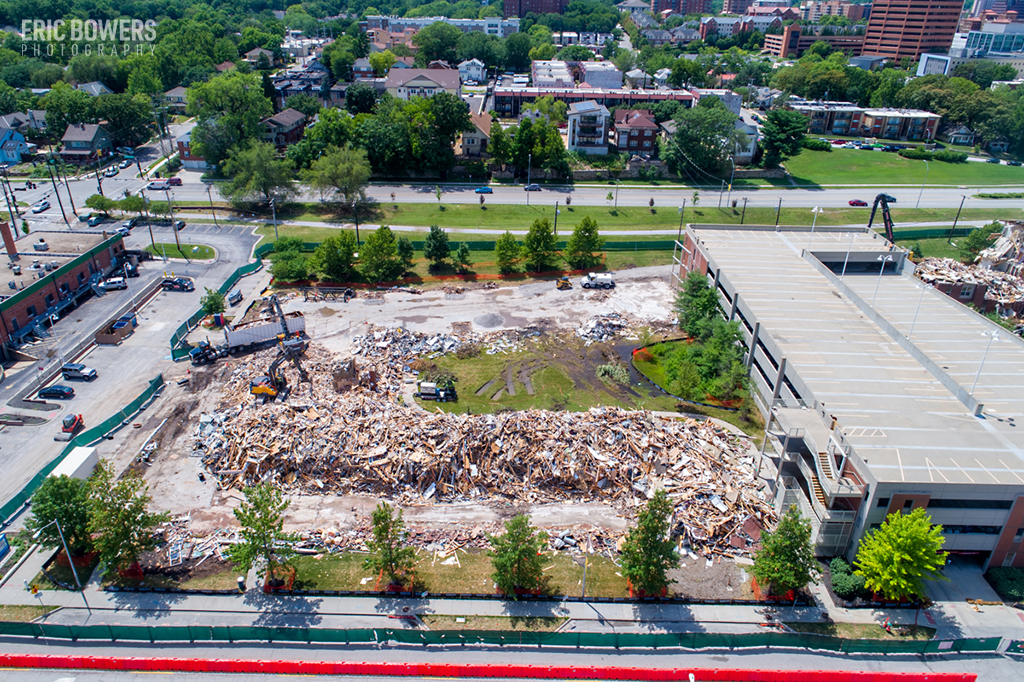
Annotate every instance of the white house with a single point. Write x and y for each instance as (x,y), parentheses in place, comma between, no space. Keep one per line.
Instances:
(472,70)
(588,127)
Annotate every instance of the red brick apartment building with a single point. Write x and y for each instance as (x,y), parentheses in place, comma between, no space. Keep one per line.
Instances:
(908,28)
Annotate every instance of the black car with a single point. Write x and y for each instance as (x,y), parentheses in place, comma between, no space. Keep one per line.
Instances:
(1013,163)
(993,160)
(177,284)
(58,392)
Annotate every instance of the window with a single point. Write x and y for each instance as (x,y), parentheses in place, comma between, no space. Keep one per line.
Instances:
(969,504)
(647,143)
(49,300)
(1019,535)
(31,311)
(882,502)
(632,143)
(966,291)
(971,530)
(909,504)
(81,277)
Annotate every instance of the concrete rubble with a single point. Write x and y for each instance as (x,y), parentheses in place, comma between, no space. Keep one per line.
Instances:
(603,328)
(1004,288)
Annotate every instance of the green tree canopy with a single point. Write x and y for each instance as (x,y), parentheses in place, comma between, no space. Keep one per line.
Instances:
(697,306)
(212,302)
(782,136)
(342,171)
(257,175)
(508,253)
(228,111)
(334,258)
(101,203)
(379,256)
(897,558)
(435,247)
(436,41)
(307,105)
(389,554)
(583,249)
(464,258)
(540,247)
(516,556)
(119,516)
(785,560)
(129,118)
(261,516)
(382,62)
(705,137)
(647,553)
(65,500)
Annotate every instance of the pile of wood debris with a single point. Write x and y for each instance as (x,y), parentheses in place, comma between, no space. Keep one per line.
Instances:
(363,440)
(1004,288)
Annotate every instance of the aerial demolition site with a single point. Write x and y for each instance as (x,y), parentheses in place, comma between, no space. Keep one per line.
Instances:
(325,400)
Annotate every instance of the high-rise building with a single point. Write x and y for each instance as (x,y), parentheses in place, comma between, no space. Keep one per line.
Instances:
(683,7)
(736,6)
(909,28)
(520,8)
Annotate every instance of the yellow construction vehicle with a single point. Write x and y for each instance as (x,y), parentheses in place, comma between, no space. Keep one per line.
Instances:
(563,283)
(274,385)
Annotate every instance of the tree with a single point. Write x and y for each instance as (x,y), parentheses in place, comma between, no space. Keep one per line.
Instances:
(575,53)
(379,256)
(896,558)
(307,105)
(583,249)
(119,518)
(977,240)
(517,51)
(405,253)
(647,553)
(782,136)
(228,111)
(64,105)
(508,253)
(262,535)
(344,171)
(786,560)
(129,118)
(516,556)
(388,555)
(499,146)
(292,267)
(705,137)
(334,258)
(463,258)
(101,203)
(360,98)
(212,302)
(257,174)
(65,500)
(697,306)
(382,62)
(132,204)
(437,42)
(540,247)
(435,247)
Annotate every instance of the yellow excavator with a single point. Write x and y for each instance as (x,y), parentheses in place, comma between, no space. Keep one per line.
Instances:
(273,385)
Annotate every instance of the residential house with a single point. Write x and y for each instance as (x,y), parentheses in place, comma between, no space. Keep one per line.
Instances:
(439,64)
(588,128)
(661,77)
(188,159)
(176,99)
(643,20)
(684,36)
(601,75)
(284,129)
(957,134)
(94,89)
(404,63)
(635,132)
(12,146)
(999,146)
(253,56)
(408,83)
(764,97)
(474,142)
(361,70)
(638,79)
(657,37)
(743,153)
(472,70)
(30,123)
(84,143)
(224,66)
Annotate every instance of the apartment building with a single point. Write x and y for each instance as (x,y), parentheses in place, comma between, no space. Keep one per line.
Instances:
(909,28)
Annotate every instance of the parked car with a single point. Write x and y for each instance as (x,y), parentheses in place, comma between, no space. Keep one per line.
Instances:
(177,284)
(484,190)
(602,280)
(130,223)
(1013,163)
(74,370)
(114,283)
(123,231)
(890,148)
(174,182)
(234,297)
(58,392)
(532,187)
(158,185)
(111,172)
(849,145)
(130,270)
(125,163)
(993,160)
(40,206)
(889,199)
(179,225)
(858,202)
(96,220)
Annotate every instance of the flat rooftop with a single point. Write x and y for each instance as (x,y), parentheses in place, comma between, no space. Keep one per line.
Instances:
(904,422)
(64,247)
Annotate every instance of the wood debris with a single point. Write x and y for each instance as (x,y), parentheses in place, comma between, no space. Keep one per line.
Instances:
(1004,288)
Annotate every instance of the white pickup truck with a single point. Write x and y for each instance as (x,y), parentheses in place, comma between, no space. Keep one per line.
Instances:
(601,280)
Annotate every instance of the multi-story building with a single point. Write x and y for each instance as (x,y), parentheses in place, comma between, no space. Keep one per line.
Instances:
(472,70)
(85,143)
(900,124)
(588,128)
(830,118)
(909,28)
(682,7)
(284,129)
(635,132)
(601,75)
(509,100)
(551,74)
(810,10)
(520,8)
(409,83)
(50,272)
(493,26)
(991,37)
(869,401)
(736,6)
(189,160)
(12,146)
(730,26)
(795,39)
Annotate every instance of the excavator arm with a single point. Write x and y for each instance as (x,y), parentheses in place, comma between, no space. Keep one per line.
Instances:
(886,217)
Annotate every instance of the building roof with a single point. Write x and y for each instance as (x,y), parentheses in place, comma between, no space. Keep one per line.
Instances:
(82,132)
(225,66)
(640,119)
(286,118)
(633,4)
(362,63)
(447,79)
(257,51)
(94,89)
(587,107)
(176,92)
(471,62)
(902,404)
(482,123)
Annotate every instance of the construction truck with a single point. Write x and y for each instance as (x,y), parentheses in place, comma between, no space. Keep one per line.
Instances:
(252,335)
(274,385)
(205,353)
(595,280)
(563,283)
(442,393)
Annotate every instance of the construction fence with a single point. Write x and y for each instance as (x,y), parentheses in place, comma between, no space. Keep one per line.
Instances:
(689,640)
(87,437)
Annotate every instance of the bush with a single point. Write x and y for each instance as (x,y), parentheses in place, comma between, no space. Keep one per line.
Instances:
(614,372)
(1008,582)
(950,156)
(845,583)
(643,355)
(816,145)
(917,154)
(289,268)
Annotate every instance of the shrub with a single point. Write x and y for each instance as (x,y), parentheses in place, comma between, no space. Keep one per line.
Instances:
(614,372)
(643,355)
(845,583)
(1008,582)
(816,145)
(950,156)
(467,351)
(917,154)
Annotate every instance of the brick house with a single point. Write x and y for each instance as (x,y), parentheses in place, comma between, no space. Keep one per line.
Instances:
(84,143)
(474,142)
(635,132)
(188,159)
(284,129)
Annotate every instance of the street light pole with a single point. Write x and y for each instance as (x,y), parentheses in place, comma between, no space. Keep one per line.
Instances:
(212,210)
(918,205)
(273,210)
(778,212)
(846,260)
(70,560)
(174,227)
(127,281)
(529,178)
(816,210)
(682,212)
(744,216)
(916,311)
(884,259)
(732,177)
(992,337)
(556,218)
(949,239)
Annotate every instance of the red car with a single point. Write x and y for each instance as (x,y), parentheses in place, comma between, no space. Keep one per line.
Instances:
(858,202)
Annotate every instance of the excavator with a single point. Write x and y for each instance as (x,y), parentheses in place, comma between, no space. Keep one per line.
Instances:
(273,385)
(884,200)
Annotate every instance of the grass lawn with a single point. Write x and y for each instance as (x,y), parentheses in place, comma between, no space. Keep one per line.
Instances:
(222,580)
(501,623)
(64,575)
(854,167)
(471,575)
(23,614)
(190,251)
(858,631)
(933,248)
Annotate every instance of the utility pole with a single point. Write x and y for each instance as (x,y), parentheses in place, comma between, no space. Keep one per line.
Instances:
(721,191)
(56,193)
(174,227)
(14,219)
(682,212)
(209,193)
(778,212)
(99,182)
(67,186)
(273,209)
(556,217)
(743,217)
(949,239)
(529,177)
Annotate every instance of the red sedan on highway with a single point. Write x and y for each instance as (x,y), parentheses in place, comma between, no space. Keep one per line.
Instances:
(858,202)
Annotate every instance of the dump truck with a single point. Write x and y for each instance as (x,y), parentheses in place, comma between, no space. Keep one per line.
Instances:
(442,393)
(248,337)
